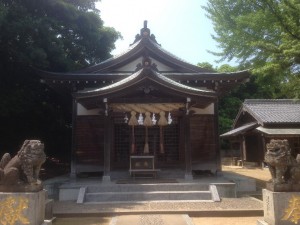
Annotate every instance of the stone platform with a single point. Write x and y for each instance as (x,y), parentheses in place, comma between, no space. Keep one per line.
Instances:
(93,188)
(71,191)
(242,207)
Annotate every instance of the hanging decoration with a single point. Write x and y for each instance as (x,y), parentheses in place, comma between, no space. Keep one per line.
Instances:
(169,118)
(162,119)
(154,119)
(147,123)
(141,119)
(133,122)
(161,123)
(126,118)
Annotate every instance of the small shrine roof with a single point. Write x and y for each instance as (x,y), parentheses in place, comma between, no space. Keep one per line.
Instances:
(273,111)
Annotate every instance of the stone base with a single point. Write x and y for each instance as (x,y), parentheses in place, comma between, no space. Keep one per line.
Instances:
(21,188)
(283,187)
(188,176)
(22,208)
(281,208)
(106,179)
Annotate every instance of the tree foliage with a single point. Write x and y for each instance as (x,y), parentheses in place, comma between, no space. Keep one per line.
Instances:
(230,104)
(56,35)
(263,35)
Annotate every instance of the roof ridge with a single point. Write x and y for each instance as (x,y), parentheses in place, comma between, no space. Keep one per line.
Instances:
(268,101)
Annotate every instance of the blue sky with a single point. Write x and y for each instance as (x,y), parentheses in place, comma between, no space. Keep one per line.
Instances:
(180,26)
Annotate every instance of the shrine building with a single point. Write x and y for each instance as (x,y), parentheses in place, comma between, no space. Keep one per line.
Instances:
(145,109)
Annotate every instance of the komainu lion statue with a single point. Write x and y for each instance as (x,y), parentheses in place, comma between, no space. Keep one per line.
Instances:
(284,168)
(24,168)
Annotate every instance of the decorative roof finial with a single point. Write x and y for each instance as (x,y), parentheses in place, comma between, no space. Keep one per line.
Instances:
(144,33)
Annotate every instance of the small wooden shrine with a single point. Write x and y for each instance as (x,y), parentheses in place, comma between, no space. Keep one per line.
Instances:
(261,120)
(145,102)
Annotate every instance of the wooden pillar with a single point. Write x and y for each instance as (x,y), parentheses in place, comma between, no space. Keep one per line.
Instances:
(217,136)
(263,150)
(244,150)
(187,145)
(107,144)
(73,147)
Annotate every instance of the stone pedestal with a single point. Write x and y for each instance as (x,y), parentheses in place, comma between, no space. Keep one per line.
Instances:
(22,208)
(281,208)
(283,187)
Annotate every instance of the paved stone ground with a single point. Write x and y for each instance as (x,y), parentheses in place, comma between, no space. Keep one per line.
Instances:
(204,218)
(260,175)
(152,219)
(195,220)
(227,205)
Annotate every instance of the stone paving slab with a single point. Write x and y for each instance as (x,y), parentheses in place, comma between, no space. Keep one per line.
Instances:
(152,219)
(227,206)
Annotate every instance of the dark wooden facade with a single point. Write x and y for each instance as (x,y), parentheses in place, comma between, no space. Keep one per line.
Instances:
(144,79)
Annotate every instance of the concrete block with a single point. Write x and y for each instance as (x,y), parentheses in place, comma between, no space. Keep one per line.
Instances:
(281,208)
(49,209)
(68,194)
(22,208)
(226,190)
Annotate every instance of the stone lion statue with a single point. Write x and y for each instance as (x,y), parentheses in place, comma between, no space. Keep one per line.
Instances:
(24,168)
(283,167)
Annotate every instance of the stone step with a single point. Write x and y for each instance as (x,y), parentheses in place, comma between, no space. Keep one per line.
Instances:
(147,192)
(147,196)
(148,187)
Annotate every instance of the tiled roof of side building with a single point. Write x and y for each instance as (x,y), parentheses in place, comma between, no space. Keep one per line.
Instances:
(277,111)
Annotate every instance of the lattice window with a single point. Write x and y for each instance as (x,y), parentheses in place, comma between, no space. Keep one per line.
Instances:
(122,141)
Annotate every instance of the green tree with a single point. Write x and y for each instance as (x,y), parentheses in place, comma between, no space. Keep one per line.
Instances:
(263,35)
(230,104)
(57,35)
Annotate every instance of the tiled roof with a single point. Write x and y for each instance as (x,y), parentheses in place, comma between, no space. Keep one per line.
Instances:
(139,75)
(279,111)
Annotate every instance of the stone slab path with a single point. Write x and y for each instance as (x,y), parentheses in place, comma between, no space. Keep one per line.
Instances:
(148,219)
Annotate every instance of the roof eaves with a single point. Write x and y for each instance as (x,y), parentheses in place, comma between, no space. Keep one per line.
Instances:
(184,87)
(156,77)
(240,130)
(95,92)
